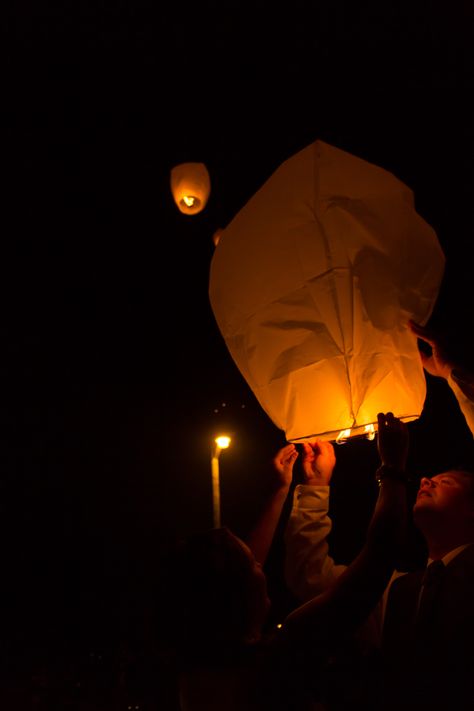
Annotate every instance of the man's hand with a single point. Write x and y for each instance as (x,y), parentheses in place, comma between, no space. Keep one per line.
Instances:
(283,462)
(319,461)
(392,441)
(437,363)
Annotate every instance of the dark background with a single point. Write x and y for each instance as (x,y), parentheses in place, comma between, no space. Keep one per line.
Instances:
(113,372)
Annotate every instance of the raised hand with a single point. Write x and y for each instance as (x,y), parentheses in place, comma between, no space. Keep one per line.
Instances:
(283,462)
(319,461)
(437,363)
(392,441)
(260,538)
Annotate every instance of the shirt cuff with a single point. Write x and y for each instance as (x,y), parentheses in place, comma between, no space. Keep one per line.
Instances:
(310,496)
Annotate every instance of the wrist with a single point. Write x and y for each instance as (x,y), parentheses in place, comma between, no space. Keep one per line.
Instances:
(391,472)
(282,488)
(461,375)
(316,481)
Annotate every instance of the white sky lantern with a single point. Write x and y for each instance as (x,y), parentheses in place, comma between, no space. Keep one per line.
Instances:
(190,186)
(312,285)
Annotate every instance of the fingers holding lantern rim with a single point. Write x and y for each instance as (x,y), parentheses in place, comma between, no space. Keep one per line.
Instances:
(385,418)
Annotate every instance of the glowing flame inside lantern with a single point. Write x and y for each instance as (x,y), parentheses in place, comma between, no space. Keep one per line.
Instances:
(343,436)
(190,200)
(370,432)
(190,186)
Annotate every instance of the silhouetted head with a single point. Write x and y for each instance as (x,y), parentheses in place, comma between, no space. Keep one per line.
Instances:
(220,593)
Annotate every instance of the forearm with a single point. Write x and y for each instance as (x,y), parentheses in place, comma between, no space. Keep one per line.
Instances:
(358,589)
(260,538)
(309,569)
(462,385)
(364,582)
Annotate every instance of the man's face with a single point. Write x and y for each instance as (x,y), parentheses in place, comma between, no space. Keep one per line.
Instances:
(447,494)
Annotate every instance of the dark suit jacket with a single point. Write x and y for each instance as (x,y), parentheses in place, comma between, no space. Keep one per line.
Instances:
(431,667)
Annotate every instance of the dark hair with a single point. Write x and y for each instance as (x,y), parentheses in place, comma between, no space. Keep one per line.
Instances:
(462,462)
(468,475)
(212,594)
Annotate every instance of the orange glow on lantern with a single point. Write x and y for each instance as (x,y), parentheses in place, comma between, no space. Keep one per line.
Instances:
(312,288)
(191,187)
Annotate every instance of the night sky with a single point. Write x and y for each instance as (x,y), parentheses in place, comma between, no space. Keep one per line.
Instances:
(114,374)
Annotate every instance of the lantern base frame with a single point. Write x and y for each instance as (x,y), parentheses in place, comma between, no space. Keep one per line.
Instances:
(356,432)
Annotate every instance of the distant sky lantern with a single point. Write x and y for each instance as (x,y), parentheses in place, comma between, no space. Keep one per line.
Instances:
(312,287)
(190,186)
